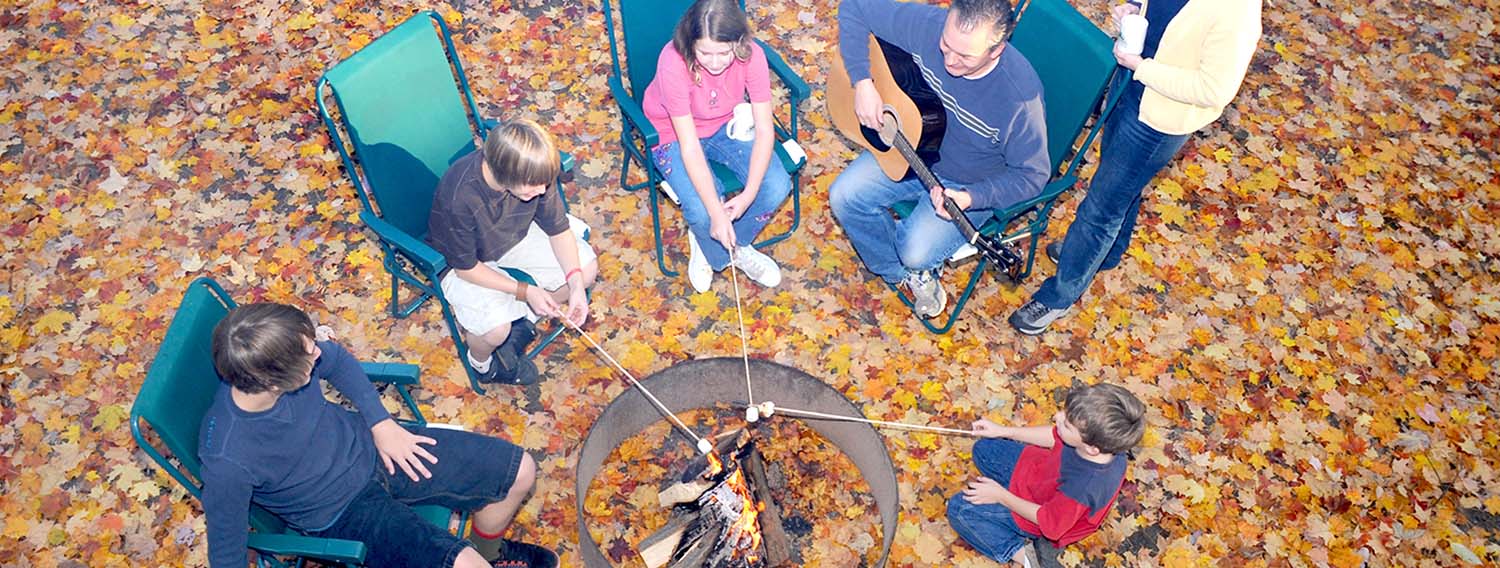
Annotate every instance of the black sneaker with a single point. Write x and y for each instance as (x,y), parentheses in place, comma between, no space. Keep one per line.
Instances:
(1054,250)
(488,375)
(522,333)
(512,368)
(514,554)
(1034,317)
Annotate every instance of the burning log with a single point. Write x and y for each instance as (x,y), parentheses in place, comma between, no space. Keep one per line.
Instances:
(721,513)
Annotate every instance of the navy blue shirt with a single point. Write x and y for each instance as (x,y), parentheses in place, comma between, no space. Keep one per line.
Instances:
(995,144)
(304,459)
(1159,15)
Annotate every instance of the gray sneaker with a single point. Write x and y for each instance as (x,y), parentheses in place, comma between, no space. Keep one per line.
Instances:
(1034,317)
(927,295)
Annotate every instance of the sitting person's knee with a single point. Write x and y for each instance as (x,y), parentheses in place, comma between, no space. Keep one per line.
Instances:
(525,477)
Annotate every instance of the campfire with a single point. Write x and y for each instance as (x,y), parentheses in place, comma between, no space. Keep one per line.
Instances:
(723,515)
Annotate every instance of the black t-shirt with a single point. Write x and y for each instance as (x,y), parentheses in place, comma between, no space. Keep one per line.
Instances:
(472,223)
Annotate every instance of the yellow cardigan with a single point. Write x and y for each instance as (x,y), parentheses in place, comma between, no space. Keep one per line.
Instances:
(1199,64)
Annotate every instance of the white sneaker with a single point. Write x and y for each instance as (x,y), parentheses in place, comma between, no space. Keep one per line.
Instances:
(700,274)
(757,266)
(928,298)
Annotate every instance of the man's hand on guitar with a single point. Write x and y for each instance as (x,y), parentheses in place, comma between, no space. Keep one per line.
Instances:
(960,198)
(867,104)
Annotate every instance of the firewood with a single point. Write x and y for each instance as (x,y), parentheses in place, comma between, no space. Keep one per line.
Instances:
(773,537)
(656,550)
(683,492)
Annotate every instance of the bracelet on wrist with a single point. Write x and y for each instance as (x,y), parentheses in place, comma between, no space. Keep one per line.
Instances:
(521,290)
(569,276)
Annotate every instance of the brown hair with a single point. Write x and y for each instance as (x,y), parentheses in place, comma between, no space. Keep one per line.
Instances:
(258,347)
(717,20)
(520,152)
(1107,416)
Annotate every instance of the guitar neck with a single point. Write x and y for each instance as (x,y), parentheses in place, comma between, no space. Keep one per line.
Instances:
(928,180)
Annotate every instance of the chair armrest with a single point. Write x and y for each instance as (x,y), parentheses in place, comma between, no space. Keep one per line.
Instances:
(632,112)
(421,253)
(323,549)
(799,91)
(1049,192)
(393,373)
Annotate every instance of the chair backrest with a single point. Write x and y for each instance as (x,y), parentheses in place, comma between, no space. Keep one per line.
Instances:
(406,107)
(646,26)
(180,386)
(1075,61)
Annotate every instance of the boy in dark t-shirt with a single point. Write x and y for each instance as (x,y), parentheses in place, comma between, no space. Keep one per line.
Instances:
(494,210)
(1055,482)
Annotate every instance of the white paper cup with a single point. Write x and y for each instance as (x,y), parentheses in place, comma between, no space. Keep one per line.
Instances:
(1133,34)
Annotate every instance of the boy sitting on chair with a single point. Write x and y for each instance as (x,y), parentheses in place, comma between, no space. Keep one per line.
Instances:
(270,438)
(491,211)
(1055,482)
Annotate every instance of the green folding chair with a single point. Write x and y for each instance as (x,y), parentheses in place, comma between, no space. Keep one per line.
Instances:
(1076,62)
(645,27)
(178,390)
(404,113)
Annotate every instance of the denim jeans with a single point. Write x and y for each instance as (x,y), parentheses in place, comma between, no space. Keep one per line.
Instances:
(990,529)
(734,154)
(861,198)
(1130,155)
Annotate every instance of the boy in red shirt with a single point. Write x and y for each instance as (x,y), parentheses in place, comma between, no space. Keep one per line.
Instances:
(1055,482)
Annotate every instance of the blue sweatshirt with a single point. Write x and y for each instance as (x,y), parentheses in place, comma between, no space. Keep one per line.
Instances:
(995,145)
(304,459)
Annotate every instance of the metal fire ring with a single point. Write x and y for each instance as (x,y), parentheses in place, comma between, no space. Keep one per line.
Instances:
(703,383)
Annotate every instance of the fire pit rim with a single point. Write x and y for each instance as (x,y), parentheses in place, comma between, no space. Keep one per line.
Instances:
(703,383)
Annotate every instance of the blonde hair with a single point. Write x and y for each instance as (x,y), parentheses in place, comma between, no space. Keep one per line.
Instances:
(520,152)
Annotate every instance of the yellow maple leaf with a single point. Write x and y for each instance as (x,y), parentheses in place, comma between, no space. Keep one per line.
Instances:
(109,418)
(704,303)
(932,390)
(301,21)
(1222,155)
(52,322)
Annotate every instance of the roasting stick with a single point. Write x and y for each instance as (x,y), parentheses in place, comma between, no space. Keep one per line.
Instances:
(703,445)
(812,414)
(744,343)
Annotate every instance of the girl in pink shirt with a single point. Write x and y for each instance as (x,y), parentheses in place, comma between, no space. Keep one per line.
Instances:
(712,65)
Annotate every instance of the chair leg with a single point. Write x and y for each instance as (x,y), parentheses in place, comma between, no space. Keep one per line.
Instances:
(661,256)
(958,306)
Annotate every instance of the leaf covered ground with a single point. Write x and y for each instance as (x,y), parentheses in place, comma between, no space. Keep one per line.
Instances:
(1309,308)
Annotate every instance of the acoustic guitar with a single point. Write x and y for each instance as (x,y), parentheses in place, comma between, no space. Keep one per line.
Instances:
(912,111)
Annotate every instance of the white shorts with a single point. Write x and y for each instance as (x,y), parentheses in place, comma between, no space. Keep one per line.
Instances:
(480,309)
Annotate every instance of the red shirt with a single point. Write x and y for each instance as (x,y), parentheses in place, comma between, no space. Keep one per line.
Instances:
(710,100)
(1075,493)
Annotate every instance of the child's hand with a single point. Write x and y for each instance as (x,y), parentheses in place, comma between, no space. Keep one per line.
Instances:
(541,302)
(985,428)
(721,228)
(400,447)
(984,491)
(736,206)
(578,307)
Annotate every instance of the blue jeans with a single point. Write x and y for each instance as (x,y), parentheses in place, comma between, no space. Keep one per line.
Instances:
(862,197)
(734,154)
(1130,155)
(472,471)
(990,529)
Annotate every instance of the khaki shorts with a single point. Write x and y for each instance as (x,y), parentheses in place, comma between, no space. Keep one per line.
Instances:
(480,309)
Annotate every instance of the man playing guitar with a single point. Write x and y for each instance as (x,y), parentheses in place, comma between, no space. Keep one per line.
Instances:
(993,152)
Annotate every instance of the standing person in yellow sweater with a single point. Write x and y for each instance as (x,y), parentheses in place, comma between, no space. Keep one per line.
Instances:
(1194,58)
